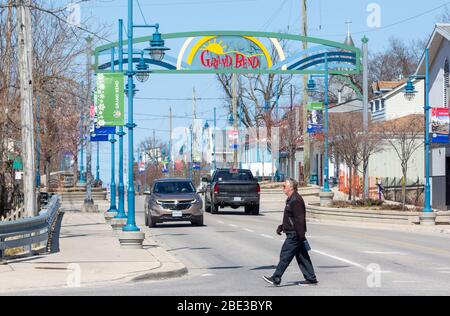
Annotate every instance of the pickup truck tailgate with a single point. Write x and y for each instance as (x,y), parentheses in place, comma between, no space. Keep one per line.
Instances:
(238,189)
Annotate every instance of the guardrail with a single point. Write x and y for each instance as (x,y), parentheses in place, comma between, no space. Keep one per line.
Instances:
(28,231)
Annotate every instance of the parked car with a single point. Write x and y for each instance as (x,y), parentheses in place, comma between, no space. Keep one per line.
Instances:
(232,188)
(173,200)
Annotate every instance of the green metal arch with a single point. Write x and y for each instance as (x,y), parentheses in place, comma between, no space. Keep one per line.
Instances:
(267,35)
(237,33)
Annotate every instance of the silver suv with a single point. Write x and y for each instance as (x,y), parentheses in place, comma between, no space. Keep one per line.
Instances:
(173,200)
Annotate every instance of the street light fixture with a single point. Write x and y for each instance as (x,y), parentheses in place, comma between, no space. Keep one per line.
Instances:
(142,73)
(157,50)
(311,87)
(410,91)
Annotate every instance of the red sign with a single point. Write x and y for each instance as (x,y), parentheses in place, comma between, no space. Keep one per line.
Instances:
(237,61)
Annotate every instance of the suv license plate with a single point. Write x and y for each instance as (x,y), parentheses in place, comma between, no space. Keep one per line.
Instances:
(177,213)
(237,199)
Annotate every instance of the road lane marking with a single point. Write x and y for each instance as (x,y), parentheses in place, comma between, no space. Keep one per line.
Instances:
(232,225)
(208,275)
(387,253)
(249,230)
(266,236)
(347,261)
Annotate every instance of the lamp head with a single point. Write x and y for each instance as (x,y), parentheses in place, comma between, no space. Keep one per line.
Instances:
(410,91)
(311,87)
(143,74)
(157,50)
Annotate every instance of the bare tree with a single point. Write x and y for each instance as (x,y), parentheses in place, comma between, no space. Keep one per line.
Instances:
(345,142)
(404,135)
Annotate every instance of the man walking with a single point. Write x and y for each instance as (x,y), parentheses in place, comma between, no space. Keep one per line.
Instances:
(295,245)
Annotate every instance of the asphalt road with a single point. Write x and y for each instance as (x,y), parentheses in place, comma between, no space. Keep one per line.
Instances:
(231,253)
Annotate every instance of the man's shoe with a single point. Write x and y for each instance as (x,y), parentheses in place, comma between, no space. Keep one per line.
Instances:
(271,280)
(308,282)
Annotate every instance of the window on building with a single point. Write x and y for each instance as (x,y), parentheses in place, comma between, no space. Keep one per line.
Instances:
(382,104)
(377,105)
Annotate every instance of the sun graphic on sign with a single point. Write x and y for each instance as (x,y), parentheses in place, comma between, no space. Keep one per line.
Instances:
(215,48)
(219,48)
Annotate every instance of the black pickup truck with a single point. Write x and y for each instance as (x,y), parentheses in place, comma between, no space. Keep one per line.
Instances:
(232,188)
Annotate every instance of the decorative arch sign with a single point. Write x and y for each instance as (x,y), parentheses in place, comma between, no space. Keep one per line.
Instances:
(242,52)
(229,52)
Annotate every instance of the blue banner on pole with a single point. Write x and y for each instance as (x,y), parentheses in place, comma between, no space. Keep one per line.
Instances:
(99,138)
(104,130)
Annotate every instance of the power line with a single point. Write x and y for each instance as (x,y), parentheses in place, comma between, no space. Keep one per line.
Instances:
(142,13)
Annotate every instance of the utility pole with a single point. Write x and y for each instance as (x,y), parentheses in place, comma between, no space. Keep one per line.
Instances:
(170,143)
(306,139)
(365,55)
(26,106)
(38,143)
(193,133)
(88,201)
(235,119)
(155,150)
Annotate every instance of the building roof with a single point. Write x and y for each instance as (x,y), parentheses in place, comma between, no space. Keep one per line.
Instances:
(386,85)
(441,32)
(394,91)
(350,106)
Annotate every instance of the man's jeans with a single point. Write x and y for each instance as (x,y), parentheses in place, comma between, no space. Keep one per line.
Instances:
(293,247)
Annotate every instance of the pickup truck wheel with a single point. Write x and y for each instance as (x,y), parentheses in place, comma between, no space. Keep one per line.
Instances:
(248,210)
(214,209)
(255,210)
(207,207)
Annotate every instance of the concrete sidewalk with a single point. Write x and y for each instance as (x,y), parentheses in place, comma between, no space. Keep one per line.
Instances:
(89,256)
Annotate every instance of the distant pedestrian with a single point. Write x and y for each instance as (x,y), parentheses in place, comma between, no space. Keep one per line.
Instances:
(295,245)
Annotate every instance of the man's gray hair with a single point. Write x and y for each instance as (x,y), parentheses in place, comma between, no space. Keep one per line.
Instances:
(293,184)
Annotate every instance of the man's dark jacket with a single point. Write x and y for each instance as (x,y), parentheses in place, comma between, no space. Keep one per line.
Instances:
(294,218)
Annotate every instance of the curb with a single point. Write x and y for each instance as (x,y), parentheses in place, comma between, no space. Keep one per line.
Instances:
(154,276)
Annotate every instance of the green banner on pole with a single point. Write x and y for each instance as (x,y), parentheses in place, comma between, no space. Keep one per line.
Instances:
(110,100)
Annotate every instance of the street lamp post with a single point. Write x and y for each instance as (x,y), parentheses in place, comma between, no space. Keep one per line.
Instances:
(326,196)
(113,208)
(82,132)
(97,176)
(428,217)
(156,51)
(121,210)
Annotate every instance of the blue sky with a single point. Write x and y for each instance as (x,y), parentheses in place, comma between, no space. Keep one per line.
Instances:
(326,20)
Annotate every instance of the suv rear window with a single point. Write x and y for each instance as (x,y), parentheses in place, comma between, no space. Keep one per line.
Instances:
(235,175)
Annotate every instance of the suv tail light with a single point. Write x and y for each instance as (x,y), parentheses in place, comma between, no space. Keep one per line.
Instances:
(258,189)
(216,189)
